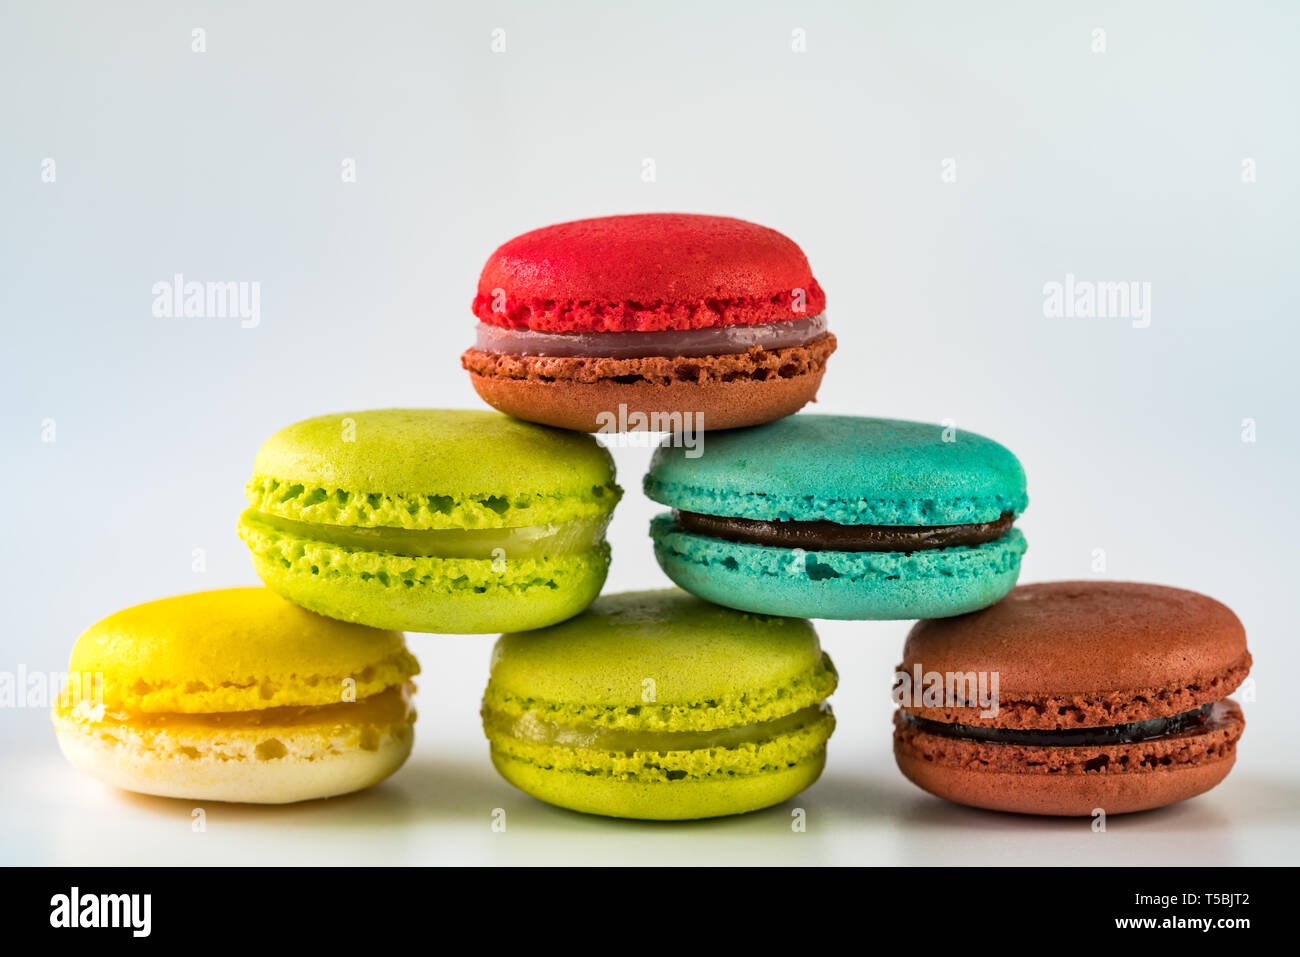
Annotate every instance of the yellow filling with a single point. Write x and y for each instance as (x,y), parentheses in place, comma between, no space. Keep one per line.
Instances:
(389,707)
(525,542)
(528,728)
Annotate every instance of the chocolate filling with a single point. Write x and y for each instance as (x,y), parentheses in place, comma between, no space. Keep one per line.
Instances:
(832,537)
(1078,737)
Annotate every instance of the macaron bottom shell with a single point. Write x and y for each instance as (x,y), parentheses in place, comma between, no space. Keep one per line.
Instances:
(772,761)
(609,405)
(298,760)
(1149,778)
(659,800)
(427,594)
(935,583)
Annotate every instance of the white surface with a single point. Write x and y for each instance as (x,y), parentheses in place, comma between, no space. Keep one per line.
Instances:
(226,166)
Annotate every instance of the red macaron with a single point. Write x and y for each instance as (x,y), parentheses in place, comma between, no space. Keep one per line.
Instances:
(1109,695)
(623,322)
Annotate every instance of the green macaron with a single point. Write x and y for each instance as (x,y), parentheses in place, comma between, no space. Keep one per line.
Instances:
(661,706)
(431,520)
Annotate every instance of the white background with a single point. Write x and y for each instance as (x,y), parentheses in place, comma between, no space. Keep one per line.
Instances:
(225,165)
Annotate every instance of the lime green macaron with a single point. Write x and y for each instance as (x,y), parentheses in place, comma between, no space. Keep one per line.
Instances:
(659,705)
(432,520)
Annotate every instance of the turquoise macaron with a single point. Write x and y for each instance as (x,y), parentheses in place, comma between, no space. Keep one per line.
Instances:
(828,516)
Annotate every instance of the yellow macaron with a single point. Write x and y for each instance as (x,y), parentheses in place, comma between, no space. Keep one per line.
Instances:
(236,695)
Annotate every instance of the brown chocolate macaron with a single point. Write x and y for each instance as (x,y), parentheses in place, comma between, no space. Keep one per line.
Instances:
(656,322)
(1066,697)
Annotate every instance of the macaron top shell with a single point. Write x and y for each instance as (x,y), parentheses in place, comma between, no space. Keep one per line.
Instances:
(843,469)
(431,469)
(1088,638)
(656,650)
(646,272)
(235,649)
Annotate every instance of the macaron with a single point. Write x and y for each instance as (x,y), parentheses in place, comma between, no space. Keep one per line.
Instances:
(649,322)
(236,695)
(657,705)
(1109,696)
(823,516)
(431,520)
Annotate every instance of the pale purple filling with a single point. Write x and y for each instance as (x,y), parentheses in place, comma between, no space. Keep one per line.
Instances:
(713,341)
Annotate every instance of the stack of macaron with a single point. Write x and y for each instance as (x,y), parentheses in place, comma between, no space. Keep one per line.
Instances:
(704,700)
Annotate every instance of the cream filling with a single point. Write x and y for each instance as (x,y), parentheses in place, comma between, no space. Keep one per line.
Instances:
(521,543)
(527,727)
(710,341)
